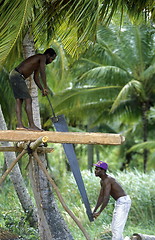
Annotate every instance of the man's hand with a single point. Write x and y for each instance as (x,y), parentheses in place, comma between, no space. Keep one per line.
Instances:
(96,214)
(45,92)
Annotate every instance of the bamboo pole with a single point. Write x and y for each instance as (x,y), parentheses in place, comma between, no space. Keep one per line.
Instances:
(63,137)
(60,196)
(34,145)
(11,166)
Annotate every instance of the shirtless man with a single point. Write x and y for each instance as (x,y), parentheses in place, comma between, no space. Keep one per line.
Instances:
(110,187)
(36,65)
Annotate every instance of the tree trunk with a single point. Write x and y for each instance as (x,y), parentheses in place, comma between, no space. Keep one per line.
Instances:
(97,154)
(128,159)
(18,181)
(90,148)
(145,108)
(90,156)
(51,223)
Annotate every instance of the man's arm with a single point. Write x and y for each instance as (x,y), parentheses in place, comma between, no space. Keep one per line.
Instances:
(105,198)
(100,200)
(42,70)
(37,80)
(38,83)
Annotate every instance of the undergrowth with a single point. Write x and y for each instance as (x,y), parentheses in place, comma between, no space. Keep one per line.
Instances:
(138,185)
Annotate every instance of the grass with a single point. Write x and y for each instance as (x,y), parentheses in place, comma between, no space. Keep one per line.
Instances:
(138,185)
(142,214)
(12,216)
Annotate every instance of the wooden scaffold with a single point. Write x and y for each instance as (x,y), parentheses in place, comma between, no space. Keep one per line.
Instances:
(34,142)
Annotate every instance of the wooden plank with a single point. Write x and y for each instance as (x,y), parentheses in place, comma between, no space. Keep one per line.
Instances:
(63,137)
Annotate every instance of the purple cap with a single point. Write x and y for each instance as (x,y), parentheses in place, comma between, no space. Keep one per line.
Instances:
(101,165)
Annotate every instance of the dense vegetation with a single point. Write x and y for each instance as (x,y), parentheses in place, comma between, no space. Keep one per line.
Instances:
(103,81)
(138,185)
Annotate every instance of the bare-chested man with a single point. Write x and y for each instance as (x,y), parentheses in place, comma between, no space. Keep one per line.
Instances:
(34,64)
(110,187)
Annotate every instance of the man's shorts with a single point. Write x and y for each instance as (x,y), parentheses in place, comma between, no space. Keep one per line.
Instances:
(19,86)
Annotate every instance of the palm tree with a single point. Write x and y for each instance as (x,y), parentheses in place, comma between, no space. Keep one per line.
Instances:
(75,22)
(140,89)
(44,19)
(116,79)
(48,214)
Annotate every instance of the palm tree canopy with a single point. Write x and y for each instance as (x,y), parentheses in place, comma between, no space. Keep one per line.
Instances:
(74,21)
(116,72)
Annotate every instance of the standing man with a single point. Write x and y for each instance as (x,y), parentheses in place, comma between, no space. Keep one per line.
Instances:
(110,187)
(35,64)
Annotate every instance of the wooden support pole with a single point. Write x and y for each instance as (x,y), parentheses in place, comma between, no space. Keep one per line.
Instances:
(63,137)
(60,196)
(20,149)
(11,166)
(34,145)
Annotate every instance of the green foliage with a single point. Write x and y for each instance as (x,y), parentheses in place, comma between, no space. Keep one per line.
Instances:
(74,22)
(138,185)
(12,216)
(14,18)
(113,85)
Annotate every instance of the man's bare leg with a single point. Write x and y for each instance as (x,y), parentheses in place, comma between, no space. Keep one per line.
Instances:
(28,108)
(19,113)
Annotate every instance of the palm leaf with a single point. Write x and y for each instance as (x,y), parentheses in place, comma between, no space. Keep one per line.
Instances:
(57,72)
(137,8)
(80,17)
(115,57)
(76,98)
(141,146)
(14,17)
(104,75)
(71,22)
(148,73)
(133,85)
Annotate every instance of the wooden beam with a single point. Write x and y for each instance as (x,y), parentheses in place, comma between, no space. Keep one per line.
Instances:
(20,149)
(63,137)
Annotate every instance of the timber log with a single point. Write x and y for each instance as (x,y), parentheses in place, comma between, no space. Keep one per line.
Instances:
(63,137)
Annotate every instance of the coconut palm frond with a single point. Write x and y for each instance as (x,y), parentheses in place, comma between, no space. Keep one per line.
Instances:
(70,21)
(133,85)
(75,22)
(14,17)
(114,57)
(104,75)
(58,70)
(79,97)
(148,73)
(139,8)
(141,146)
(127,111)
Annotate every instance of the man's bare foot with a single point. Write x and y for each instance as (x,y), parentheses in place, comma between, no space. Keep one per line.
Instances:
(21,128)
(35,129)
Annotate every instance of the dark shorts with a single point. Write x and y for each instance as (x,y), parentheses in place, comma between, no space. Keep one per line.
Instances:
(19,86)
